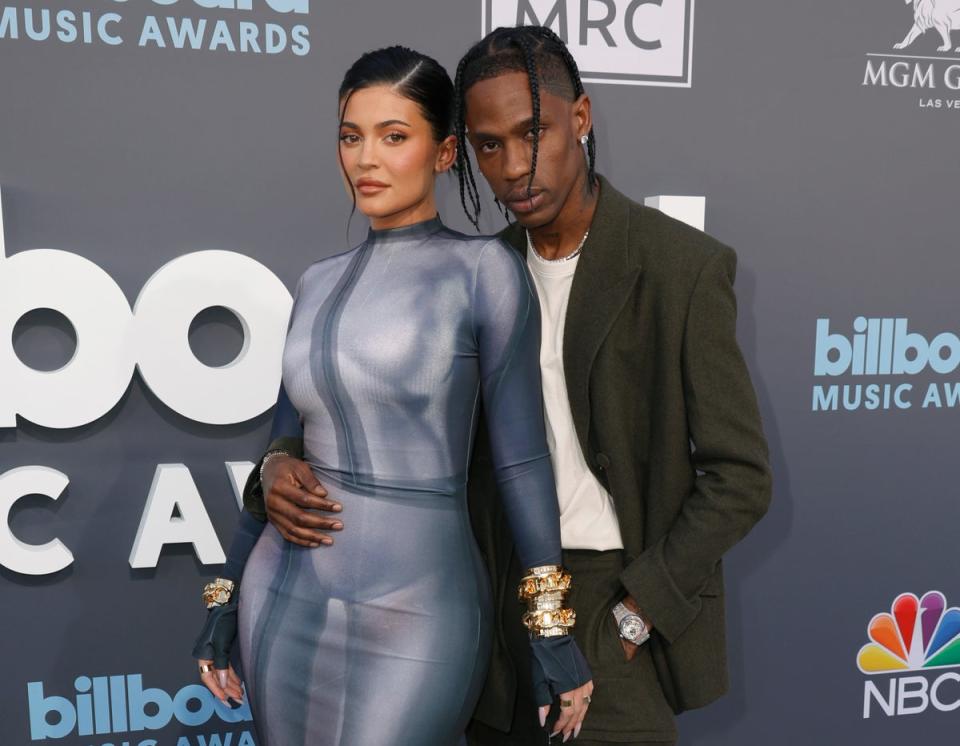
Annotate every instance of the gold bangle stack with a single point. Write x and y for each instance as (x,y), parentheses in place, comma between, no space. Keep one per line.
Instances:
(218,592)
(544,589)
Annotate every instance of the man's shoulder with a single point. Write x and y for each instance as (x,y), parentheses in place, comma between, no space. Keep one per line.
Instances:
(657,239)
(664,240)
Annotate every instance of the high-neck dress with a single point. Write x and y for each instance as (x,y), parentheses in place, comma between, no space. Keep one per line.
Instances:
(383,637)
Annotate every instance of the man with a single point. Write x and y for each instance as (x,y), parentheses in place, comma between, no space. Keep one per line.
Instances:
(639,359)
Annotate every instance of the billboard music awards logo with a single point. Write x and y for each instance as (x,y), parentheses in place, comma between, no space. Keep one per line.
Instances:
(927,59)
(892,357)
(115,710)
(920,636)
(631,42)
(236,32)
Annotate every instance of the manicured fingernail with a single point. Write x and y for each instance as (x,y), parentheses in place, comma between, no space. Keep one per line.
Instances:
(222,678)
(328,542)
(576,731)
(338,525)
(337,507)
(314,545)
(543,718)
(566,738)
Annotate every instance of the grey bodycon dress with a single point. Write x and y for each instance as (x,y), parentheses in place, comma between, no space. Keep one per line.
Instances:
(383,637)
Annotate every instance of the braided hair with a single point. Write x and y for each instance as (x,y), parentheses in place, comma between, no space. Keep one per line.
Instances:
(542,55)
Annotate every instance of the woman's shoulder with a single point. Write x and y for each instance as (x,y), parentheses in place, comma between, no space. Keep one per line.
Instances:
(327,264)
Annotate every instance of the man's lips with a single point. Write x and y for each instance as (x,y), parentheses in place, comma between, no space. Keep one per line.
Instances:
(521,202)
(370,186)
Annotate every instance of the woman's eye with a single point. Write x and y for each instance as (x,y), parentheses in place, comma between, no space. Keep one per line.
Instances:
(395,137)
(349,138)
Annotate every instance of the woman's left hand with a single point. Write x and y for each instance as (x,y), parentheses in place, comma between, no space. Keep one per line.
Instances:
(573,709)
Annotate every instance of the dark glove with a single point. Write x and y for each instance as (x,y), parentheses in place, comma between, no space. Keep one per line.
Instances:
(558,666)
(218,635)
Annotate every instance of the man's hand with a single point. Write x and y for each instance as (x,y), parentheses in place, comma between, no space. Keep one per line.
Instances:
(630,649)
(291,494)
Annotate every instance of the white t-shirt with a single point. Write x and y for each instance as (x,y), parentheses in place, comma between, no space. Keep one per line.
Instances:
(587,516)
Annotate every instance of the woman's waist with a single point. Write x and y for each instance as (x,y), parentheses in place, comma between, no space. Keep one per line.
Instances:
(389,484)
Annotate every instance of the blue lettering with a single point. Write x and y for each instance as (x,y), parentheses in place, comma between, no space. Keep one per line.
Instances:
(180,33)
(151,32)
(8,23)
(825,397)
(221,36)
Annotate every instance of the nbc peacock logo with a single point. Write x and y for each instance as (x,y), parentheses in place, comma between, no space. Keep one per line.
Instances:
(914,642)
(916,634)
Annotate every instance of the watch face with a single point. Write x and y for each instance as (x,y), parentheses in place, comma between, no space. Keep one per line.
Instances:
(632,627)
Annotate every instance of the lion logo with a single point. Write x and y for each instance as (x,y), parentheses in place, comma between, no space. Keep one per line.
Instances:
(943,15)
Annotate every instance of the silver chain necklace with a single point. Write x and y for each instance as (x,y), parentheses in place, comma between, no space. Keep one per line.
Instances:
(568,257)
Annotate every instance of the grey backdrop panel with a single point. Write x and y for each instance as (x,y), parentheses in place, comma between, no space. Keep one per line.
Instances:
(839,197)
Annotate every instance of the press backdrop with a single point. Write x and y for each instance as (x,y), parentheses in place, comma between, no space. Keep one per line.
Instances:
(176,160)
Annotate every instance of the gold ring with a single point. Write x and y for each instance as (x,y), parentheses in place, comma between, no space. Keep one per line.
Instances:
(566,703)
(205,668)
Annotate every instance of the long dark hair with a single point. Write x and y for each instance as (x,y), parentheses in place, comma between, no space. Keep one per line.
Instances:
(542,55)
(413,75)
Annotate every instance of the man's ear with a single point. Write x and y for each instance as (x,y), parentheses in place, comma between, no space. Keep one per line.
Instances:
(446,154)
(582,111)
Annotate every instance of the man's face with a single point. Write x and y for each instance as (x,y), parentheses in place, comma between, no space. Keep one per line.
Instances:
(499,118)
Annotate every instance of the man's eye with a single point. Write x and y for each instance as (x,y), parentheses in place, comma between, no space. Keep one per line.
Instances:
(531,132)
(488,147)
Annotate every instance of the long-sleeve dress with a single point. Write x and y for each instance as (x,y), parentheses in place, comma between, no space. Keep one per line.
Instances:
(383,637)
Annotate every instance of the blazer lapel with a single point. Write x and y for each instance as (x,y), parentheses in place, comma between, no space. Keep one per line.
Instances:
(606,274)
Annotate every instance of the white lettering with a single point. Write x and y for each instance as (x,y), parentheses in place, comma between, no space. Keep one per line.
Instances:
(174,489)
(16,555)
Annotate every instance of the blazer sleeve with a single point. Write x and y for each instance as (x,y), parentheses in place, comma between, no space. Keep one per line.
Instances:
(732,487)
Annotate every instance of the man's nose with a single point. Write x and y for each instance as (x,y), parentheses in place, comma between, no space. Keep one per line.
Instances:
(516,160)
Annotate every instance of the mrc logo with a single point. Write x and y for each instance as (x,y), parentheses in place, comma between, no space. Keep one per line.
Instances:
(630,42)
(919,635)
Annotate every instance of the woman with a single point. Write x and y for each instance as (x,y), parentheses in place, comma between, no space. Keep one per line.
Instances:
(383,637)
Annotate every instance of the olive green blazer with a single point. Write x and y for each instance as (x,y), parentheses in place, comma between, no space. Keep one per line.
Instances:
(668,421)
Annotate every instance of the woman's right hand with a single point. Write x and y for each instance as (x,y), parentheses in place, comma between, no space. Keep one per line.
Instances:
(560,672)
(573,709)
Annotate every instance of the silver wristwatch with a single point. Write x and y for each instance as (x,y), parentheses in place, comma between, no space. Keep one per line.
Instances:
(631,625)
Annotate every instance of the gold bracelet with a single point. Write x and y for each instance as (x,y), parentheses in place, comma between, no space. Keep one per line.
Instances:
(218,592)
(550,623)
(544,589)
(548,601)
(532,585)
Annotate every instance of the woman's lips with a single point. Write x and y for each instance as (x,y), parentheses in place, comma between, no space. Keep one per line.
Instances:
(370,187)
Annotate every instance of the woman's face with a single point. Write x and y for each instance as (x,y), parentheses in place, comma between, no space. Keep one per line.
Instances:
(390,157)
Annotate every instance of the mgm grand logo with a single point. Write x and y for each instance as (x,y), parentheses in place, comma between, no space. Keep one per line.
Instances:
(926,58)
